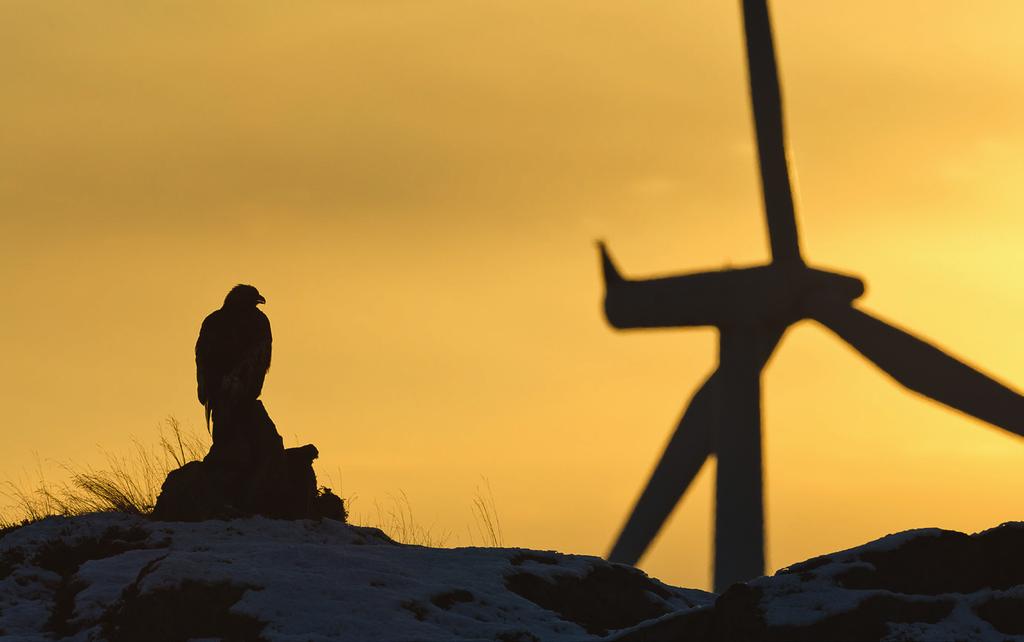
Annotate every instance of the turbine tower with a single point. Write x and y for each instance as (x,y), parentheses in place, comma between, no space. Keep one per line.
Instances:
(752,308)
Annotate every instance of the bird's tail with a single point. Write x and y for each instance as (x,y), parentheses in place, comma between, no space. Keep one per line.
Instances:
(208,410)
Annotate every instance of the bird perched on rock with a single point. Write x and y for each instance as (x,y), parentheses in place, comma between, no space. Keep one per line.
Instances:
(233,353)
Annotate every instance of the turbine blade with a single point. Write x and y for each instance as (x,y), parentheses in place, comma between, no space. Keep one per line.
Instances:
(922,367)
(683,458)
(771,140)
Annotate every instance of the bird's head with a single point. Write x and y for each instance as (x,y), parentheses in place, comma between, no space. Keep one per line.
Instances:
(243,296)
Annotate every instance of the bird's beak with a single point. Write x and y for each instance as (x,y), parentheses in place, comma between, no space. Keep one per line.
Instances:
(260,299)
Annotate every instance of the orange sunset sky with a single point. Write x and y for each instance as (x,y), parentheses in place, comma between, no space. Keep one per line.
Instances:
(416,188)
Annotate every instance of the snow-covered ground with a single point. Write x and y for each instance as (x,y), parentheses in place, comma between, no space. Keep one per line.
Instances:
(128,579)
(925,585)
(119,577)
(924,574)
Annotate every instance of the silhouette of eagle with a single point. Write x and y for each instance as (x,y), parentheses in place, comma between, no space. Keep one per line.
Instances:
(233,352)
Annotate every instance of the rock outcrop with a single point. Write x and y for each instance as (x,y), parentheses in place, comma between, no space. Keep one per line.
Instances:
(247,472)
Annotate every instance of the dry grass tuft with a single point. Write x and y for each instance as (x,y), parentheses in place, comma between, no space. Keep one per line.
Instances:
(127,484)
(131,483)
(485,517)
(397,521)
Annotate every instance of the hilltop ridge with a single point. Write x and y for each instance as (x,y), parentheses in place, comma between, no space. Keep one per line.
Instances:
(118,577)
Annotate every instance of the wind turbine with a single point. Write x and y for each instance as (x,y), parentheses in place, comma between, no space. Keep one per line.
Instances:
(752,308)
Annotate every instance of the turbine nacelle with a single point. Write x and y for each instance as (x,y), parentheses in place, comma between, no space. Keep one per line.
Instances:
(777,294)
